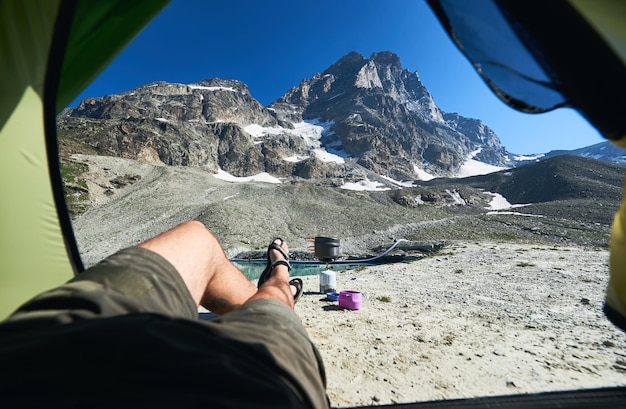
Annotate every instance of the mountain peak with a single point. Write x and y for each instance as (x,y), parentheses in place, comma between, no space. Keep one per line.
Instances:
(386,58)
(350,62)
(216,83)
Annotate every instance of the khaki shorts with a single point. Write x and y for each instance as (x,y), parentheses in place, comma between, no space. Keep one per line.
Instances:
(139,281)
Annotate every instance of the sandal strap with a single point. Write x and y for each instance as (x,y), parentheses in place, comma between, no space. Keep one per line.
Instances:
(297,282)
(281,262)
(275,246)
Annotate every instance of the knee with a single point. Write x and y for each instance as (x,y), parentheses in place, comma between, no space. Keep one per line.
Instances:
(193,225)
(199,231)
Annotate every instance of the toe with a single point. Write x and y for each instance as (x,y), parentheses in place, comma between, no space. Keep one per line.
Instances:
(282,244)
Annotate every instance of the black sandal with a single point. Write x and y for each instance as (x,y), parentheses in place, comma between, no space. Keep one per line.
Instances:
(270,266)
(297,282)
(265,275)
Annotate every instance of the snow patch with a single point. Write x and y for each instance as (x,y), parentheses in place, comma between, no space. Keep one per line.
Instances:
(212,88)
(516,214)
(499,202)
(472,167)
(295,158)
(456,197)
(327,157)
(529,157)
(261,177)
(364,185)
(231,196)
(259,131)
(400,183)
(310,131)
(592,155)
(422,174)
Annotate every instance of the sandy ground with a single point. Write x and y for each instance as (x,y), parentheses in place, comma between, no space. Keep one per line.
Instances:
(479,319)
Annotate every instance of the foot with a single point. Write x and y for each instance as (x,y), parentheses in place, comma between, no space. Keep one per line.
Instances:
(278,259)
(274,282)
(275,255)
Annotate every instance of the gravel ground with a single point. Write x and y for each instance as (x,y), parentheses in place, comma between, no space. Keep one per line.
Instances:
(245,216)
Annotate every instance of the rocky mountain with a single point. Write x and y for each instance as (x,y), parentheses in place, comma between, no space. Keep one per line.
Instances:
(358,119)
(562,177)
(604,151)
(382,115)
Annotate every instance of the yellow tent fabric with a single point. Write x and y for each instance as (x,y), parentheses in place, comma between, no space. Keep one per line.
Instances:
(44,43)
(31,240)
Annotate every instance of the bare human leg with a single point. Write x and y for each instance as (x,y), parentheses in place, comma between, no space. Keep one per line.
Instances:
(213,281)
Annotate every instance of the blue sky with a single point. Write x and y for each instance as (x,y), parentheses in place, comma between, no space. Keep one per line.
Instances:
(271,46)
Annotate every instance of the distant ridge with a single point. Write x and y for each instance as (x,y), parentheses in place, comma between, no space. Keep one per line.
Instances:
(604,151)
(560,177)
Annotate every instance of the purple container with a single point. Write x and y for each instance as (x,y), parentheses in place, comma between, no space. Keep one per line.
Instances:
(350,300)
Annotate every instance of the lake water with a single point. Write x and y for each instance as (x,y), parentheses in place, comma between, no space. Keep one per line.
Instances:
(253,269)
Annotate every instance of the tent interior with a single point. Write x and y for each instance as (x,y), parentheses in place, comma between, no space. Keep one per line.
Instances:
(50,50)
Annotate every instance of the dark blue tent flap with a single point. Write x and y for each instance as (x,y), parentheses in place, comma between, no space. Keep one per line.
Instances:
(542,55)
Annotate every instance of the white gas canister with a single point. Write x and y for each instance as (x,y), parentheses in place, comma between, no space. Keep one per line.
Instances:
(328,282)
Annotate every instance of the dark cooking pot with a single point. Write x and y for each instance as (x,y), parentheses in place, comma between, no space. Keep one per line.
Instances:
(327,248)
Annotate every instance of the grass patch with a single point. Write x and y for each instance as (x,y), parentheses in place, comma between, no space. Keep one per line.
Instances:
(383,298)
(75,186)
(501,236)
(525,264)
(69,145)
(72,172)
